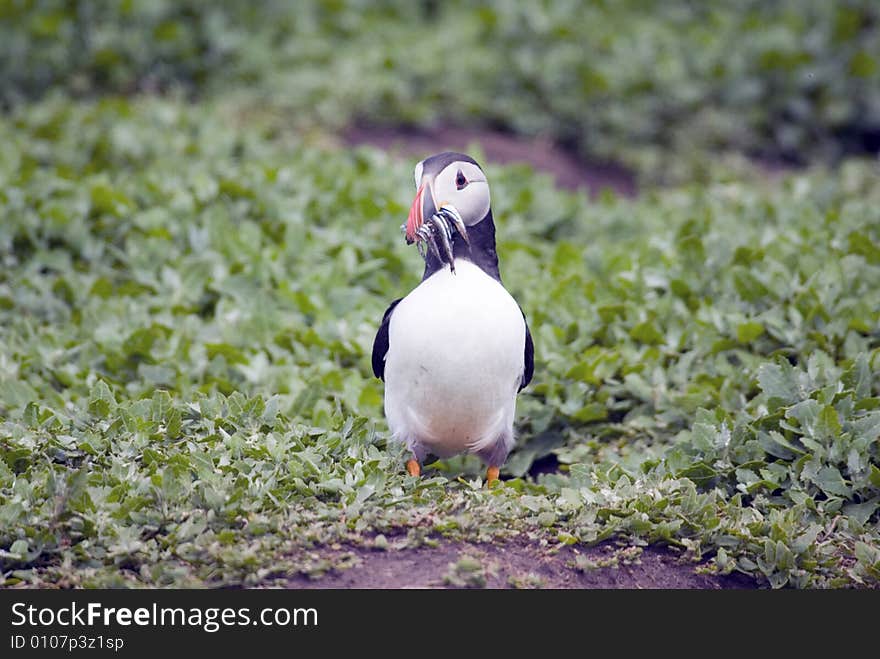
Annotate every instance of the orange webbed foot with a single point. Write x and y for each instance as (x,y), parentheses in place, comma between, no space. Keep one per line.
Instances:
(492,474)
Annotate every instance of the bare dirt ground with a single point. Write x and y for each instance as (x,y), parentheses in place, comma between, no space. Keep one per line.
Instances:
(568,171)
(514,564)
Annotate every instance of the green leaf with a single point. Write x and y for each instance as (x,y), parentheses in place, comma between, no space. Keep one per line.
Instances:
(807,415)
(861,511)
(875,476)
(232,354)
(101,400)
(749,331)
(701,474)
(591,412)
(647,332)
(19,548)
(778,446)
(863,65)
(107,199)
(868,554)
(828,423)
(778,381)
(748,286)
(858,377)
(830,481)
(31,414)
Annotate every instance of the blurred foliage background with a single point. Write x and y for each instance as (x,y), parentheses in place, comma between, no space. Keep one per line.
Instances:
(663,87)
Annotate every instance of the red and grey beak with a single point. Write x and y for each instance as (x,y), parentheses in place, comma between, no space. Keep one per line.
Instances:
(422,207)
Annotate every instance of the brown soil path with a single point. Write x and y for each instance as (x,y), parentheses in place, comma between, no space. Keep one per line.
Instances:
(568,171)
(515,564)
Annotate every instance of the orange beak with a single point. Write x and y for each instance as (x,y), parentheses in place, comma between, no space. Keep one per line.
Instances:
(415,219)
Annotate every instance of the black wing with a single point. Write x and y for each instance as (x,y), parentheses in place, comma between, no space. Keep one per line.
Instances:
(529,357)
(380,343)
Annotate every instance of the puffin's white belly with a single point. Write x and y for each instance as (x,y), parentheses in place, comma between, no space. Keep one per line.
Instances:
(454,362)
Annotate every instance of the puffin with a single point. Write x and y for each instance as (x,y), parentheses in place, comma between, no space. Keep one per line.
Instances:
(456,351)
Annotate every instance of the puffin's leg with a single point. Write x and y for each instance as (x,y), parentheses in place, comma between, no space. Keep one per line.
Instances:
(494,455)
(492,475)
(418,452)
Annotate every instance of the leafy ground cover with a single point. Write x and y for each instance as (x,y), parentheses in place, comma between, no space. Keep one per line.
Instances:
(187,302)
(664,87)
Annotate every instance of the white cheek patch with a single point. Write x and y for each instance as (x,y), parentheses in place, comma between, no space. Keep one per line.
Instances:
(418,173)
(472,201)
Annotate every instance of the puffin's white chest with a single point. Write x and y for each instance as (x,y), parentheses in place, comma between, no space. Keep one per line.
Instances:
(454,362)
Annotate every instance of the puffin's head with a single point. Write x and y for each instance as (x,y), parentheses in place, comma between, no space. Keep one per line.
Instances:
(449,179)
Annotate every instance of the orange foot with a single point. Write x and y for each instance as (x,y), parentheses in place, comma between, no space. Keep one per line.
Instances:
(492,475)
(412,468)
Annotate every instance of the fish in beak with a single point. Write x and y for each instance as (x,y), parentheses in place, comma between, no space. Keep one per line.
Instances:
(425,224)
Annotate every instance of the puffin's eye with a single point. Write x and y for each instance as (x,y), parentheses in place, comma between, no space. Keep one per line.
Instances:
(460,180)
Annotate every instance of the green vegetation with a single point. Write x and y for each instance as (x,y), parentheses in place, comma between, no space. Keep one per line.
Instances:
(189,295)
(667,87)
